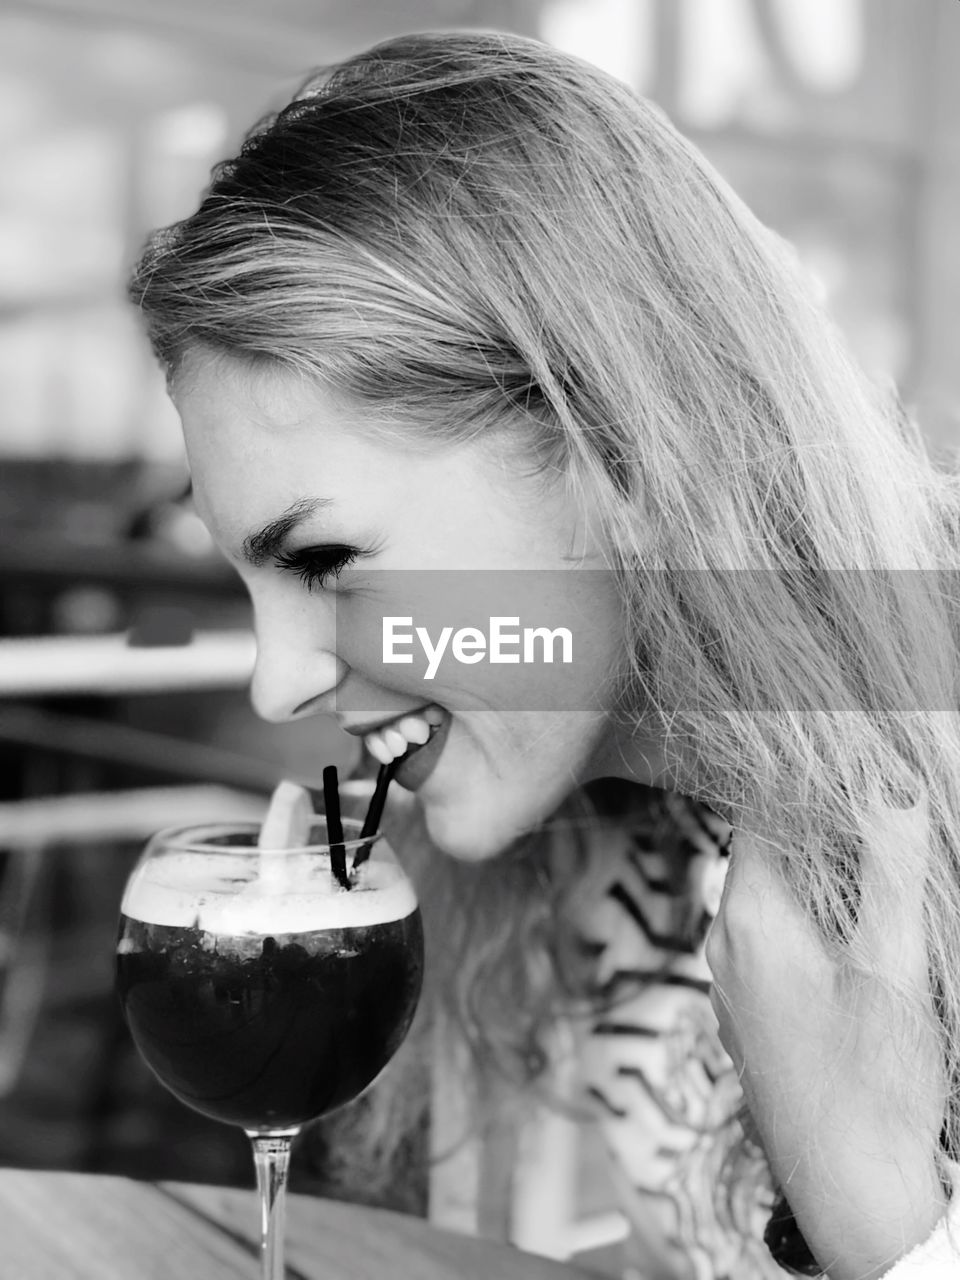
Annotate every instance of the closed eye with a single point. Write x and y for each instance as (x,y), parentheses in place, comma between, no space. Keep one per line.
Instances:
(315,566)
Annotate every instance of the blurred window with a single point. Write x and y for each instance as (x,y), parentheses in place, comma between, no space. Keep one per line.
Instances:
(813,110)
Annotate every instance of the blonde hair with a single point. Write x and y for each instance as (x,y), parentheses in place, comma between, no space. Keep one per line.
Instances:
(476,233)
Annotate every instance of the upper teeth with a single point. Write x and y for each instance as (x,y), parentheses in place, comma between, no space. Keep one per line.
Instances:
(390,741)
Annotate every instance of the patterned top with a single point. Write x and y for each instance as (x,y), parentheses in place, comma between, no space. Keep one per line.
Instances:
(699,1199)
(665,1092)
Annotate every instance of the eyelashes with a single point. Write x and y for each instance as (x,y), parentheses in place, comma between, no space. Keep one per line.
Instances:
(316,566)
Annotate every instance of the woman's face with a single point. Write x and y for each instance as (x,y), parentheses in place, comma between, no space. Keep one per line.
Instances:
(293,481)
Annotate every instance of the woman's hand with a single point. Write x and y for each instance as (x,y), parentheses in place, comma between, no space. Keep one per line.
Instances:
(848,1105)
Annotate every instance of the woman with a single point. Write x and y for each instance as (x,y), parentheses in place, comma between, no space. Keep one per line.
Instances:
(469,311)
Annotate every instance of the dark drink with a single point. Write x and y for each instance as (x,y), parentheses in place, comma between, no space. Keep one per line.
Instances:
(269,972)
(267,1005)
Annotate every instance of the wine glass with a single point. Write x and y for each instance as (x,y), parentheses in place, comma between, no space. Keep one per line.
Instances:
(260,991)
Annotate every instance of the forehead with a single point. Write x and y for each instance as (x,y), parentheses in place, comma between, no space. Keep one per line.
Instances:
(267,421)
(213,389)
(239,409)
(263,440)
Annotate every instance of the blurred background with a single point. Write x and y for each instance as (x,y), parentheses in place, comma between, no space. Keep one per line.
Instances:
(834,119)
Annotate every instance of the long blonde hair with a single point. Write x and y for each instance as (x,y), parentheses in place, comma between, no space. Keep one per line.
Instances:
(477,233)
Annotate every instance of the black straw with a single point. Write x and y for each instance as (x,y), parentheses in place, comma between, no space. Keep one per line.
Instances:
(331,802)
(371,822)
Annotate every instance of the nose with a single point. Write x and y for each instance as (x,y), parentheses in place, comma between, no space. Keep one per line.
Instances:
(296,671)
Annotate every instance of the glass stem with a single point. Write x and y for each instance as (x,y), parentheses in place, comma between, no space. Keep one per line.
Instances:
(271,1157)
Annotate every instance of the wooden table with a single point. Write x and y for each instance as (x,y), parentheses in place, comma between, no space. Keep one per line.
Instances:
(69,1226)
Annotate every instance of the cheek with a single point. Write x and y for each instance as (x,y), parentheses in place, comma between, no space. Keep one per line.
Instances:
(530,641)
(508,773)
(530,752)
(358,638)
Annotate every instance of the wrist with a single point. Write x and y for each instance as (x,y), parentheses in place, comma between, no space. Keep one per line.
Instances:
(860,1226)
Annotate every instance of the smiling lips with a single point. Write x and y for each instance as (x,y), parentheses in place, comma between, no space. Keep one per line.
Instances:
(395,738)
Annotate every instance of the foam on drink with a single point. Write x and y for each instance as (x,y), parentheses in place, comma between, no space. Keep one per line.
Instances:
(276,888)
(231,898)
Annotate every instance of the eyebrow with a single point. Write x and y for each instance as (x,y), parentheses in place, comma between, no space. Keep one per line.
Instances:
(259,547)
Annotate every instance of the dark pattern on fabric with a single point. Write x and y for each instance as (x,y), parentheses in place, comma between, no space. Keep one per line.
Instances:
(664,1092)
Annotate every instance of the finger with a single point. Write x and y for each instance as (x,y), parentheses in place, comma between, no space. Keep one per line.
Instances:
(758,899)
(763,940)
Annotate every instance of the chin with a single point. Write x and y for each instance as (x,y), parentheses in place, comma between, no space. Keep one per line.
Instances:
(467,838)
